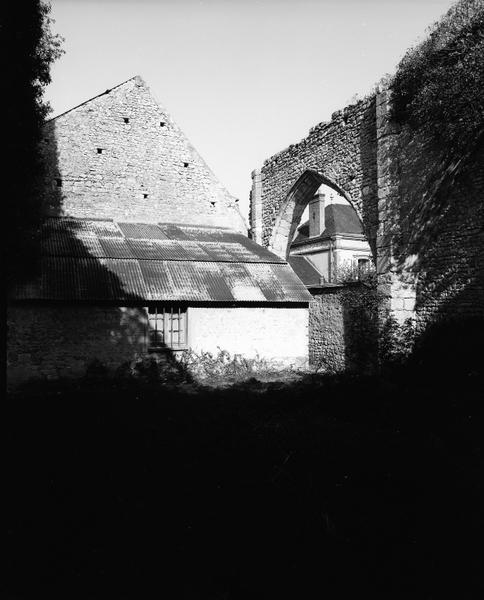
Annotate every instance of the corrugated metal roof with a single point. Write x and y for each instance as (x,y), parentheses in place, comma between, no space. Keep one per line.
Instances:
(116,248)
(172,232)
(142,230)
(70,225)
(157,250)
(102,260)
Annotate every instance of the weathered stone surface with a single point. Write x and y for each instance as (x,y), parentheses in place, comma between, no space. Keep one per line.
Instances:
(63,341)
(423,215)
(121,155)
(342,329)
(341,153)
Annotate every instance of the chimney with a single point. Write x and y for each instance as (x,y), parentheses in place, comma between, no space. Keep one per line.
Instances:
(316,214)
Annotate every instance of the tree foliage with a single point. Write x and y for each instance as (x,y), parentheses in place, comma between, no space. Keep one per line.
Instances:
(439,84)
(28,47)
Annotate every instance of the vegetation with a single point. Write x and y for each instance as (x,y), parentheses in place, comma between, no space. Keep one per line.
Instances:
(330,486)
(438,87)
(27,49)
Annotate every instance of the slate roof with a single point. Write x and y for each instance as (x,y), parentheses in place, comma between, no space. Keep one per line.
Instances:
(306,272)
(104,260)
(338,219)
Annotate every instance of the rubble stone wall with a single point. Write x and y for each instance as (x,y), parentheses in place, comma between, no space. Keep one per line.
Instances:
(51,342)
(121,156)
(341,153)
(47,341)
(422,213)
(343,328)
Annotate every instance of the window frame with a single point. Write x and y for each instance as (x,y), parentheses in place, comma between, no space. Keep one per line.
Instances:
(165,314)
(361,272)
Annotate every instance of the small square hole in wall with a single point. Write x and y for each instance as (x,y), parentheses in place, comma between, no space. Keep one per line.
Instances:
(162,123)
(185,164)
(126,120)
(145,195)
(99,150)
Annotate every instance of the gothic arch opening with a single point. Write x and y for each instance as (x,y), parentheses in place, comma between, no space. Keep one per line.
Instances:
(319,223)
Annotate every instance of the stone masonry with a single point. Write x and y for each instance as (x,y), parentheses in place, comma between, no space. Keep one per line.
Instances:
(341,153)
(427,242)
(120,155)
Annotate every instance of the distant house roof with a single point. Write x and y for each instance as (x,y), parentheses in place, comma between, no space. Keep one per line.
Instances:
(306,272)
(99,260)
(338,218)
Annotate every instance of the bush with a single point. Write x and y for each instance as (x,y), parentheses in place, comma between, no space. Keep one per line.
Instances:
(438,86)
(207,366)
(396,342)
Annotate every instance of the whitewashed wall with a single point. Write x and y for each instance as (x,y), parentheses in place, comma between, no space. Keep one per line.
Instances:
(276,334)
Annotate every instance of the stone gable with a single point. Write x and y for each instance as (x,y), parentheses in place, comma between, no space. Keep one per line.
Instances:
(120,155)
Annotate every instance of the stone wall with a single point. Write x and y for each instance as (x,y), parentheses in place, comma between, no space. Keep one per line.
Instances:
(343,328)
(439,231)
(120,155)
(422,212)
(62,341)
(57,341)
(341,153)
(327,331)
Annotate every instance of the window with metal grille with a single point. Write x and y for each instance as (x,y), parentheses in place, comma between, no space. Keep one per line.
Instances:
(167,327)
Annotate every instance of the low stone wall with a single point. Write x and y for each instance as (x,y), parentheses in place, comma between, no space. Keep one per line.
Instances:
(343,328)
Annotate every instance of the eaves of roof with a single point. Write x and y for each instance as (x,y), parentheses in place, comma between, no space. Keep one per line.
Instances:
(103,260)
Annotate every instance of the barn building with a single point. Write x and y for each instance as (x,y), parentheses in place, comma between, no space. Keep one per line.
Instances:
(143,251)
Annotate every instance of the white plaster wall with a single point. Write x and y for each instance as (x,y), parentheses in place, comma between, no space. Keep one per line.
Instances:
(349,258)
(276,334)
(349,244)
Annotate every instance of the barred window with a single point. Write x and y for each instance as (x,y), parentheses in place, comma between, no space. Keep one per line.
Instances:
(167,327)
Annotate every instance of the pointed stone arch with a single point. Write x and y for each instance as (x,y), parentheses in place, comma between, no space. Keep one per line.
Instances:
(292,208)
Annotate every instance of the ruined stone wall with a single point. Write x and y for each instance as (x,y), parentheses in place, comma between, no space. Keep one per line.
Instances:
(422,213)
(341,152)
(439,231)
(120,155)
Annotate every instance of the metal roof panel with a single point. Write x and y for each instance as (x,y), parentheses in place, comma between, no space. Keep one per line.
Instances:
(142,231)
(116,247)
(93,260)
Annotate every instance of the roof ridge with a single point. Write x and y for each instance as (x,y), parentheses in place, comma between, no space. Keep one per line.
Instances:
(108,91)
(157,224)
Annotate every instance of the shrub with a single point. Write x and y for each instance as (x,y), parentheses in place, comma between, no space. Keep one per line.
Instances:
(223,365)
(437,88)
(396,342)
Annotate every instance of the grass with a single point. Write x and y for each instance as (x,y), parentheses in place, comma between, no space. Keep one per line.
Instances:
(324,485)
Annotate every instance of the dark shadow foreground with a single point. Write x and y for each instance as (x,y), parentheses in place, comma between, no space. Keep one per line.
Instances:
(326,487)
